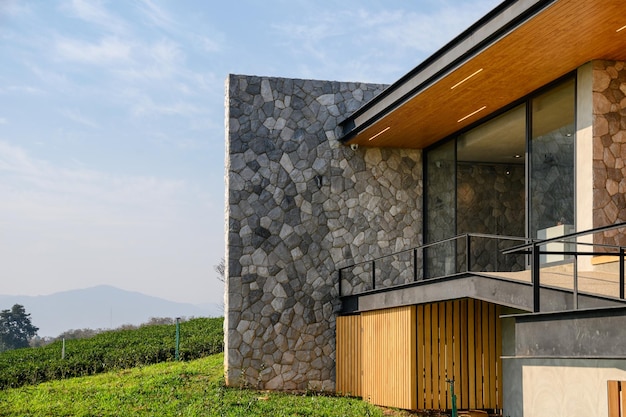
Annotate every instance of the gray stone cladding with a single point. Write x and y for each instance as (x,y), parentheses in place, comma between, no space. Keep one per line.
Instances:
(300,205)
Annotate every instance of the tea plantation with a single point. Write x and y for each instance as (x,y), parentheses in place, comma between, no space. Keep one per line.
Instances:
(111,350)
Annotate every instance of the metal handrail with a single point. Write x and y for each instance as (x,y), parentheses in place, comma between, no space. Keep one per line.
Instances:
(436,243)
(531,246)
(414,250)
(535,253)
(569,236)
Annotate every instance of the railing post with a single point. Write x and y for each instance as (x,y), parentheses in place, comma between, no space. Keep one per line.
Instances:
(373,275)
(535,269)
(415,264)
(468,254)
(621,272)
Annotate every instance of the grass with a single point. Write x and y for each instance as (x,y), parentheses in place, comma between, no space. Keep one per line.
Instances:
(192,388)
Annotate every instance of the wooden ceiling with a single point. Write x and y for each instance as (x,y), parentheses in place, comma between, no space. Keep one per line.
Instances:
(554,42)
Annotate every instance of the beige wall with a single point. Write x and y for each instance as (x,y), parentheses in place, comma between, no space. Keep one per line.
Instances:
(560,387)
(584,150)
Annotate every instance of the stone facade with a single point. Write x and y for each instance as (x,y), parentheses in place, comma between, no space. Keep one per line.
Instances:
(609,148)
(299,206)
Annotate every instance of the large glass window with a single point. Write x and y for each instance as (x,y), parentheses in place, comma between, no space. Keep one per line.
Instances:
(440,192)
(512,175)
(491,176)
(552,162)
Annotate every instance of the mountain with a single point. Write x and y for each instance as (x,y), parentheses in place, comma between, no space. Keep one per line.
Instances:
(101,307)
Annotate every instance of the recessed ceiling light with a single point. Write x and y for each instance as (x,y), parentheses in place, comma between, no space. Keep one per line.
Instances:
(471,114)
(517,155)
(465,79)
(380,133)
(620,29)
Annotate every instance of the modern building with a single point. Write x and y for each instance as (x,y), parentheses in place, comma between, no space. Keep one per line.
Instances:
(462,227)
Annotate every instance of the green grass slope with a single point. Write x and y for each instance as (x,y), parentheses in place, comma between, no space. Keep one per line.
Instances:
(192,388)
(112,350)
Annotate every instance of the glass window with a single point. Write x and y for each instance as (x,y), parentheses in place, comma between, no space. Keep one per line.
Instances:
(552,162)
(502,179)
(491,176)
(440,192)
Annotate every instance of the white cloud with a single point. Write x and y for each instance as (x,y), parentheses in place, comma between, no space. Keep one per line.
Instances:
(77,117)
(145,106)
(157,15)
(13,8)
(209,45)
(104,52)
(92,11)
(375,45)
(39,186)
(26,89)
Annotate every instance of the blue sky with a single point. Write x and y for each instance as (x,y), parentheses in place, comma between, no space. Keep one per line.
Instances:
(112,123)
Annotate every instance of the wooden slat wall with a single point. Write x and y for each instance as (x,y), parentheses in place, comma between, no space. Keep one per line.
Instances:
(616,394)
(348,355)
(459,340)
(388,361)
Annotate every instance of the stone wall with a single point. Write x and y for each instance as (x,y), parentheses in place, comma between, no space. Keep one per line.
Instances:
(299,206)
(609,148)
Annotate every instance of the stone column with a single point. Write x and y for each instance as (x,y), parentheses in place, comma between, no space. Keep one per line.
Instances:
(609,148)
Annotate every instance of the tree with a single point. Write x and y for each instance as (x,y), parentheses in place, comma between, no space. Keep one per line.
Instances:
(15,328)
(220,269)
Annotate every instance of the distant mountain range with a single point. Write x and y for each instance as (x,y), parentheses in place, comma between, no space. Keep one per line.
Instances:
(101,307)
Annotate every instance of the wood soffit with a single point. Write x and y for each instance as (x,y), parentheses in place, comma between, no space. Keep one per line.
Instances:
(556,41)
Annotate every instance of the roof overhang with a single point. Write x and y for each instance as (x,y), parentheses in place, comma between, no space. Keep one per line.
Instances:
(514,50)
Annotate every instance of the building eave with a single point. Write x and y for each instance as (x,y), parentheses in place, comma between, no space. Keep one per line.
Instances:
(518,47)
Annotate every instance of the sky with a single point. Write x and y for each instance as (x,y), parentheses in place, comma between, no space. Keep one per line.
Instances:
(112,123)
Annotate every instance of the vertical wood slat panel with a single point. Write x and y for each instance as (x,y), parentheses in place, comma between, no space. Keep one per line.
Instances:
(449,341)
(458,348)
(348,355)
(498,356)
(442,355)
(492,378)
(471,348)
(464,372)
(484,347)
(613,388)
(434,348)
(428,370)
(459,340)
(420,357)
(389,356)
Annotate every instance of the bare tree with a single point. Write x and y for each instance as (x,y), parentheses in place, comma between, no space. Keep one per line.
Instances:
(220,268)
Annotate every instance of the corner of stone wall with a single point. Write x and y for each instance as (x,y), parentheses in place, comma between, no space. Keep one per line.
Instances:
(299,206)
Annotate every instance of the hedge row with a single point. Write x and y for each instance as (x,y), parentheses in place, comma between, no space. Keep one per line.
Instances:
(116,349)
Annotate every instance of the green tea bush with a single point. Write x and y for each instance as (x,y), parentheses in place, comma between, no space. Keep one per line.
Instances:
(116,349)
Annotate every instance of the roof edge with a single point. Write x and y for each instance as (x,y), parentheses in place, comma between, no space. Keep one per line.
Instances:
(447,59)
